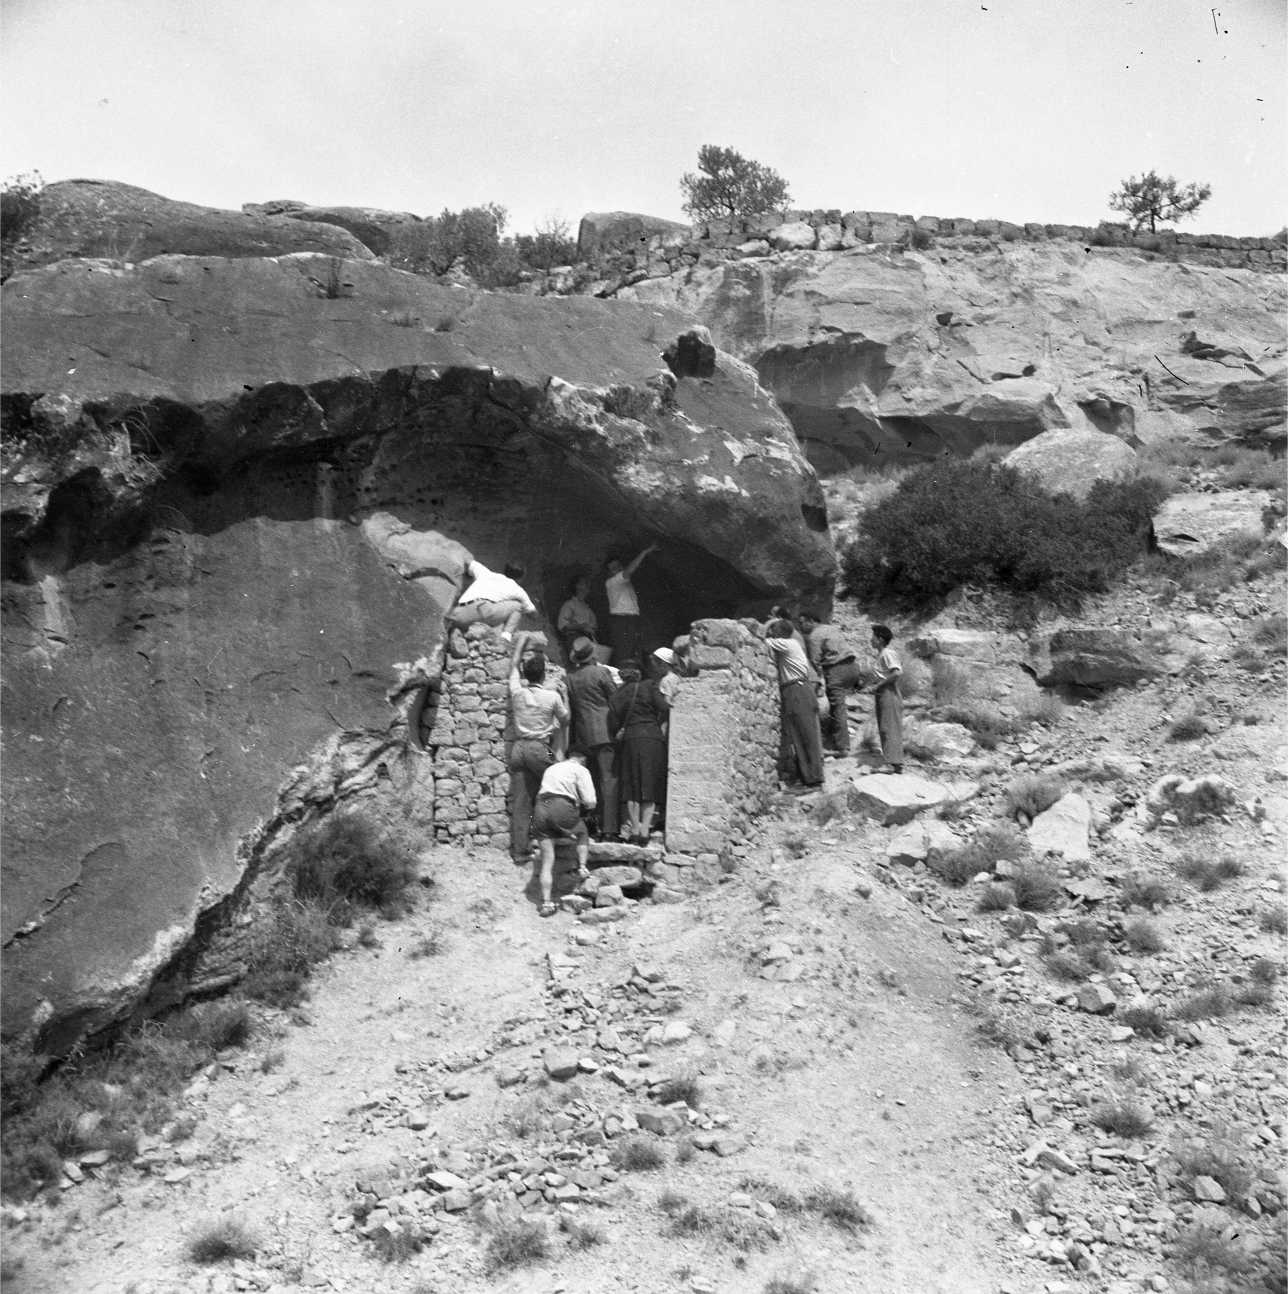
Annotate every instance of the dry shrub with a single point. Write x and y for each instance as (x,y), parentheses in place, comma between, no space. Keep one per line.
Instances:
(1124,1118)
(222,1241)
(1033,793)
(1037,888)
(1144,937)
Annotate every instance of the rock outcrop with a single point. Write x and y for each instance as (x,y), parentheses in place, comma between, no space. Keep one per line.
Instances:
(239,491)
(617,229)
(1189,524)
(374,228)
(109,220)
(878,352)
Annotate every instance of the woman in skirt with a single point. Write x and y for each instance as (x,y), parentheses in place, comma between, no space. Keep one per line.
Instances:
(636,714)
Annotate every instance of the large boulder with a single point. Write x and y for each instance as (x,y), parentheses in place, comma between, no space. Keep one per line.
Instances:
(895,798)
(605,232)
(107,219)
(879,354)
(235,501)
(1100,656)
(1189,524)
(1071,461)
(1064,829)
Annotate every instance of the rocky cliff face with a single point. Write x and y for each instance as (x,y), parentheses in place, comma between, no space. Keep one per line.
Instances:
(238,492)
(879,352)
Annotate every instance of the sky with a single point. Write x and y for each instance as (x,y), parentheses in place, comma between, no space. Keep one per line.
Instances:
(1023,110)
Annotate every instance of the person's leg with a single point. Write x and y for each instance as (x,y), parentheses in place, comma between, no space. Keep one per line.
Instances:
(619,636)
(528,760)
(841,680)
(633,819)
(464,615)
(583,850)
(646,819)
(800,709)
(889,708)
(546,880)
(603,772)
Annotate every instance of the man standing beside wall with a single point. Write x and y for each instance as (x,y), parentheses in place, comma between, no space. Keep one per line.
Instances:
(538,715)
(837,663)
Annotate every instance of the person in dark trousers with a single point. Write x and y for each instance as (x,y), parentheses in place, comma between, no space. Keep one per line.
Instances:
(888,700)
(565,796)
(837,664)
(636,714)
(802,741)
(624,608)
(539,717)
(590,688)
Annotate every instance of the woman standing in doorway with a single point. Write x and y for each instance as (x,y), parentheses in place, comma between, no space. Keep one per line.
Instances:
(637,712)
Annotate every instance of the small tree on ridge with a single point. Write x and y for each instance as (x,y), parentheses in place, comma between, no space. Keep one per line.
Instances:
(1152,198)
(729,186)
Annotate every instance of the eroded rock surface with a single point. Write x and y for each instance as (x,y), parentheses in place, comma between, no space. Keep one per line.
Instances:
(235,501)
(880,352)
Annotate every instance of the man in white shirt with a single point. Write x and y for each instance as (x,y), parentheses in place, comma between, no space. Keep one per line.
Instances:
(624,608)
(801,741)
(566,795)
(492,599)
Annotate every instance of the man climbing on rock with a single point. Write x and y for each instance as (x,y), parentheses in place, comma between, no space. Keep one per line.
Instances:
(590,687)
(492,599)
(801,742)
(837,663)
(624,608)
(565,796)
(538,714)
(888,700)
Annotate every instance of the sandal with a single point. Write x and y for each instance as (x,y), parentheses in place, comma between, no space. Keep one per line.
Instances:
(547,910)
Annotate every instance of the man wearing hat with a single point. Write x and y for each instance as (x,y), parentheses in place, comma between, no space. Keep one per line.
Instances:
(590,685)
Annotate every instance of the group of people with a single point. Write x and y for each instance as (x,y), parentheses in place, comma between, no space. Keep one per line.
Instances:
(814,662)
(590,745)
(586,746)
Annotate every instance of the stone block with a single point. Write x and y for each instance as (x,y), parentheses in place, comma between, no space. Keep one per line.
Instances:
(1064,829)
(706,656)
(795,236)
(831,238)
(894,798)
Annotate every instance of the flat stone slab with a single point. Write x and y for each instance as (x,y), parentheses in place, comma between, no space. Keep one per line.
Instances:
(895,798)
(1189,524)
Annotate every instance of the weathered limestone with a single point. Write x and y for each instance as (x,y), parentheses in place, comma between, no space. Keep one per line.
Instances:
(1064,829)
(1189,524)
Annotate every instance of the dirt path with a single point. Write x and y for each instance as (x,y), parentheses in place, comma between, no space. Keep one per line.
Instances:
(849,1074)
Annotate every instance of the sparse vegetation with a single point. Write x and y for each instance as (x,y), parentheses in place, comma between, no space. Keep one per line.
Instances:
(638,1155)
(514,1242)
(1207,873)
(1207,1004)
(1148,1021)
(996,896)
(740,1230)
(1149,892)
(581,1234)
(1124,1118)
(1037,888)
(1033,793)
(792,1283)
(1274,920)
(1189,727)
(1143,937)
(222,1241)
(1221,1158)
(345,863)
(838,1208)
(432,943)
(993,843)
(683,1087)
(19,211)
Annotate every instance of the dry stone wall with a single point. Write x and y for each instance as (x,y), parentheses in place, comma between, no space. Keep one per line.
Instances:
(724,741)
(634,254)
(723,747)
(464,734)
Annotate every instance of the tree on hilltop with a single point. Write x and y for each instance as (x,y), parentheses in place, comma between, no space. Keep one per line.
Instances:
(729,186)
(1152,198)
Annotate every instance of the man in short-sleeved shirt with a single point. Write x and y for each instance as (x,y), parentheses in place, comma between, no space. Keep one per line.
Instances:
(888,700)
(493,599)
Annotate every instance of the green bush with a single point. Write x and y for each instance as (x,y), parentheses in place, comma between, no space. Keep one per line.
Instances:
(952,522)
(19,210)
(1033,793)
(471,237)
